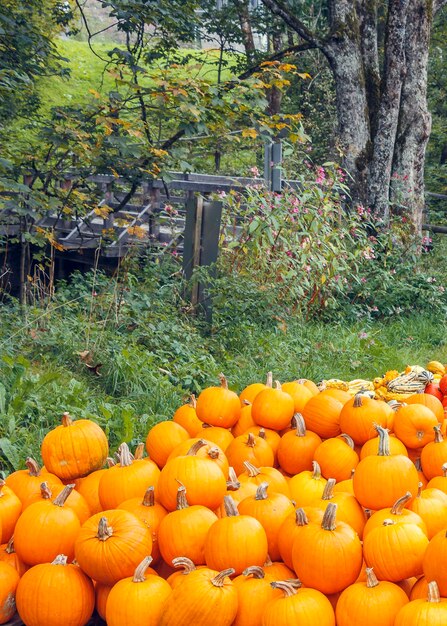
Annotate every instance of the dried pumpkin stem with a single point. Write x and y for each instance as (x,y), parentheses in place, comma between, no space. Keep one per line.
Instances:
(301,517)
(269,381)
(125,456)
(187,564)
(255,571)
(230,507)
(110,462)
(233,483)
(438,435)
(278,385)
(252,470)
(218,581)
(213,453)
(328,492)
(384,441)
(399,505)
(149,497)
(261,491)
(139,452)
(262,433)
(444,470)
(192,401)
(388,522)
(328,522)
(196,447)
(349,440)
(300,425)
(316,471)
(33,467)
(358,401)
(433,594)
(104,531)
(139,574)
(371,578)
(66,419)
(251,441)
(182,502)
(61,559)
(10,546)
(62,497)
(45,491)
(223,381)
(289,587)
(420,487)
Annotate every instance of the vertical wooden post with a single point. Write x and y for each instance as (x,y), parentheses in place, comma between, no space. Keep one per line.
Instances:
(272,165)
(201,247)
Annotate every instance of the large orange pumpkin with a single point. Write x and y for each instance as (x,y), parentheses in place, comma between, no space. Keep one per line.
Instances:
(297,447)
(219,406)
(273,408)
(322,415)
(162,439)
(75,448)
(429,612)
(298,606)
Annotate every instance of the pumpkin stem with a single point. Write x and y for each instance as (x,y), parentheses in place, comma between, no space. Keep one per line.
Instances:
(438,435)
(246,402)
(328,522)
(110,462)
(433,594)
(62,497)
(183,561)
(251,469)
(45,491)
(269,381)
(233,483)
(251,441)
(349,440)
(368,513)
(290,588)
(66,419)
(204,425)
(139,452)
(196,447)
(328,492)
(230,507)
(358,401)
(213,453)
(10,546)
(61,559)
(182,502)
(371,578)
(399,505)
(301,517)
(223,381)
(420,487)
(192,401)
(124,455)
(444,470)
(278,385)
(218,581)
(33,467)
(104,531)
(149,497)
(316,471)
(384,441)
(255,571)
(261,491)
(262,433)
(139,574)
(388,522)
(300,425)
(268,561)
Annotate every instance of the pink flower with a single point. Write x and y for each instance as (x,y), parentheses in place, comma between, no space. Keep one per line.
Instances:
(307,268)
(363,279)
(254,170)
(363,335)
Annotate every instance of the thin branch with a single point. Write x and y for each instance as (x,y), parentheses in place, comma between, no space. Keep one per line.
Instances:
(90,36)
(277,57)
(438,5)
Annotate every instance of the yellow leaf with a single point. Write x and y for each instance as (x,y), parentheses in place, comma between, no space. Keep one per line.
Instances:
(304,76)
(249,132)
(95,93)
(323,279)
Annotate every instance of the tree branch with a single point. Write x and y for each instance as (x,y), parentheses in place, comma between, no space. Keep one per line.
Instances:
(277,57)
(438,5)
(278,8)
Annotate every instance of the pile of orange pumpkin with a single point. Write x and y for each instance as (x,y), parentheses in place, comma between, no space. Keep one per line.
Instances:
(283,505)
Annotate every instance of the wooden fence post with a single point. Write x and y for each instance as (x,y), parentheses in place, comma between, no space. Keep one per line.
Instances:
(201,247)
(272,165)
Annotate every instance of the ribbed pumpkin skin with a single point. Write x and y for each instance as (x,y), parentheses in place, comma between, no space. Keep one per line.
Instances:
(52,595)
(101,595)
(197,601)
(241,449)
(434,561)
(74,449)
(300,394)
(358,416)
(306,487)
(276,481)
(406,516)
(273,408)
(371,447)
(308,607)
(218,406)
(186,416)
(120,483)
(422,613)
(89,488)
(237,542)
(395,475)
(395,551)
(117,557)
(322,415)
(75,501)
(253,596)
(336,458)
(162,439)
(296,452)
(413,425)
(137,603)
(209,451)
(10,509)
(431,505)
(9,579)
(45,530)
(204,481)
(370,606)
(327,560)
(433,457)
(24,483)
(183,533)
(9,555)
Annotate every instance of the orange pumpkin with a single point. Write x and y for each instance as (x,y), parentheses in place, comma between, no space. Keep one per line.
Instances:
(254,593)
(322,415)
(298,606)
(88,487)
(336,457)
(371,447)
(359,415)
(297,447)
(434,455)
(244,422)
(24,483)
(414,424)
(428,612)
(273,408)
(306,487)
(431,505)
(74,501)
(248,394)
(249,448)
(9,555)
(9,579)
(300,394)
(186,416)
(439,482)
(397,514)
(55,593)
(10,509)
(75,448)
(219,406)
(257,475)
(162,439)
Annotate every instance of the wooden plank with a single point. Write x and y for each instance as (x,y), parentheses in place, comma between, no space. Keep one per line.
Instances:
(434,228)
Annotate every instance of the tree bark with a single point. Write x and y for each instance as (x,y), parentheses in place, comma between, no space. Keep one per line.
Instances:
(414,118)
(367,15)
(388,113)
(343,50)
(246,30)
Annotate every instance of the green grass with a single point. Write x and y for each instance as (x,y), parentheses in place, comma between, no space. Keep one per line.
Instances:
(153,355)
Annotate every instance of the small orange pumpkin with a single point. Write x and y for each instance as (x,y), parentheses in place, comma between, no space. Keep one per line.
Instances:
(219,406)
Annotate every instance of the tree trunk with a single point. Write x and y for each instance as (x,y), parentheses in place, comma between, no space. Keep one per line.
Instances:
(388,113)
(414,118)
(344,54)
(246,29)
